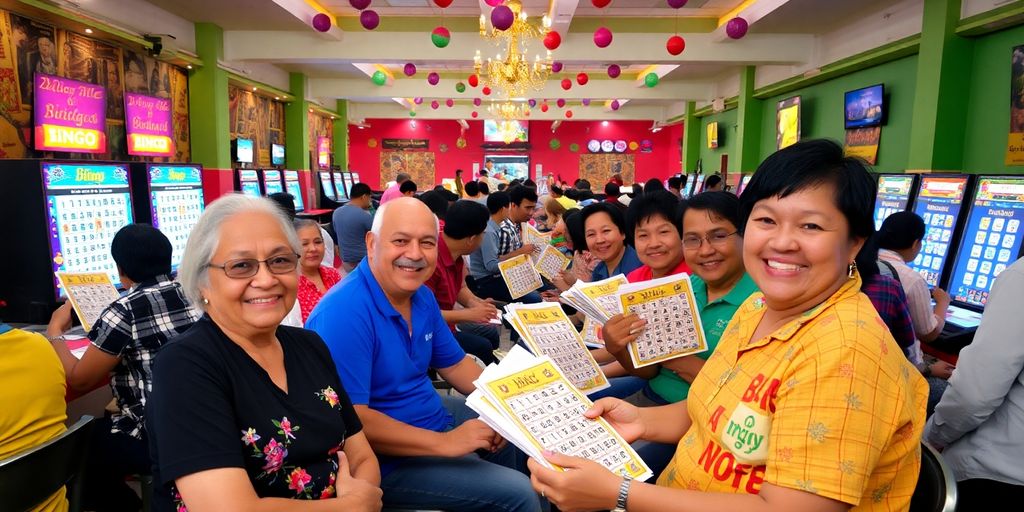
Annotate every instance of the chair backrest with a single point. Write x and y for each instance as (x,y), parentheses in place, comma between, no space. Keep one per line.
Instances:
(29,477)
(936,486)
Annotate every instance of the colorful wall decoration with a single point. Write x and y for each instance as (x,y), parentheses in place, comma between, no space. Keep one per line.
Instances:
(320,126)
(257,118)
(598,168)
(419,165)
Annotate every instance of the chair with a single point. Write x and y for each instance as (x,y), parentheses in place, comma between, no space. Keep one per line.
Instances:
(29,477)
(936,487)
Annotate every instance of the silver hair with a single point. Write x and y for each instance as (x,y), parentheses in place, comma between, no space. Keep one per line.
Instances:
(301,223)
(378,220)
(193,273)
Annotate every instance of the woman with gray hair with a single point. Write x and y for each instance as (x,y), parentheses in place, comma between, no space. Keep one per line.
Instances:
(245,412)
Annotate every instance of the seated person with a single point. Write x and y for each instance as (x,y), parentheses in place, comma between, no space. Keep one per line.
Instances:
(247,414)
(125,339)
(604,228)
(32,388)
(501,242)
(407,188)
(461,235)
(886,295)
(394,191)
(384,330)
(314,277)
(351,223)
(287,203)
(798,409)
(437,203)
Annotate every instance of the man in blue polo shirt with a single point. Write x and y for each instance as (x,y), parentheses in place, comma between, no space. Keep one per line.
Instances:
(384,330)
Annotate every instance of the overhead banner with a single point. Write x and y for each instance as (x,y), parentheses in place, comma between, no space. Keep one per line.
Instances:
(69,115)
(148,125)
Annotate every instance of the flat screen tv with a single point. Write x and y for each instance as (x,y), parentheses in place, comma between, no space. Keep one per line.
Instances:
(787,122)
(493,131)
(243,151)
(865,107)
(277,154)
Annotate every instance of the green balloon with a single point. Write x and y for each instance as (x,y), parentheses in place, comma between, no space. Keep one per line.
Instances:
(412,113)
(460,87)
(574,147)
(555,144)
(379,77)
(651,79)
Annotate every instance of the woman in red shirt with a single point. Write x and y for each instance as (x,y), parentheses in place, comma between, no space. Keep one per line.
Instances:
(314,279)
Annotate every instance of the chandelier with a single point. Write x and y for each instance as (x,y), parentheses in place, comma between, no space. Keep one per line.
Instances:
(509,110)
(512,73)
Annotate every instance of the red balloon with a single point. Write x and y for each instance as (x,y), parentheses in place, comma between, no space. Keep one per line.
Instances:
(600,4)
(568,113)
(675,45)
(475,114)
(443,3)
(473,81)
(552,40)
(486,90)
(560,102)
(582,79)
(566,84)
(543,107)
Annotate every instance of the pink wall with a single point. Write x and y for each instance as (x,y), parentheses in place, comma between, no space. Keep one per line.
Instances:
(662,162)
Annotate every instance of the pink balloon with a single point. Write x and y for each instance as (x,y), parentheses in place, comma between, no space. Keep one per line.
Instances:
(449,102)
(417,100)
(615,104)
(410,69)
(433,78)
(369,19)
(359,4)
(502,17)
(736,28)
(676,4)
(602,37)
(614,71)
(556,67)
(493,3)
(321,22)
(560,102)
(476,102)
(434,104)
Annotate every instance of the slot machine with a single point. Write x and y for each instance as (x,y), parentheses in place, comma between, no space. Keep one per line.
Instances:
(327,186)
(247,181)
(743,183)
(688,187)
(171,200)
(939,202)
(292,186)
(893,195)
(272,183)
(698,186)
(339,187)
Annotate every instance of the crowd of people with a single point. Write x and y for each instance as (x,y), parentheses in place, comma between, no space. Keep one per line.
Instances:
(264,378)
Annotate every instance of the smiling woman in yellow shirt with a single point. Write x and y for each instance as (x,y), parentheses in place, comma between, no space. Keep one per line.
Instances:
(32,390)
(807,404)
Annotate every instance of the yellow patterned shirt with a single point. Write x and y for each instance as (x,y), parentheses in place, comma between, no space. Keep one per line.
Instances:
(827,404)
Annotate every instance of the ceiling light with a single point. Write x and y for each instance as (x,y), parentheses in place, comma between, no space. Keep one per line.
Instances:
(277,97)
(188,66)
(88,31)
(253,89)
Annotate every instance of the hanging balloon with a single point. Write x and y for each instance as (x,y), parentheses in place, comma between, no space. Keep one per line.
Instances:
(434,104)
(440,37)
(582,79)
(502,17)
(676,4)
(600,4)
(556,67)
(379,77)
(543,107)
(614,71)
(486,90)
(409,69)
(574,147)
(560,103)
(531,102)
(473,81)
(493,3)
(566,84)
(615,104)
(417,100)
(460,87)
(554,144)
(586,102)
(443,3)
(433,78)
(568,114)
(651,79)
(321,22)
(412,113)
(552,40)
(736,28)
(602,37)
(359,4)
(675,45)
(449,103)
(476,102)
(475,114)
(369,19)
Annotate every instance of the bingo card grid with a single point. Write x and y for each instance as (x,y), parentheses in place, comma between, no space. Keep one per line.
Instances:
(664,336)
(521,277)
(563,347)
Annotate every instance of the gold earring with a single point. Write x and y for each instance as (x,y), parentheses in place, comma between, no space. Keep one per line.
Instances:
(851,270)
(206,302)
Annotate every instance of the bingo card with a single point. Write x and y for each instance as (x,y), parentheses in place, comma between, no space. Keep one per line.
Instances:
(547,331)
(538,239)
(89,294)
(673,322)
(520,276)
(176,198)
(551,262)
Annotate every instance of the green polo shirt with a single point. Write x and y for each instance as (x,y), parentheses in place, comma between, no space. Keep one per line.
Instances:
(714,317)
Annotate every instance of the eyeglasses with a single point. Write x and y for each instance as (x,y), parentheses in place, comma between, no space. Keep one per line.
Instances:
(248,267)
(716,239)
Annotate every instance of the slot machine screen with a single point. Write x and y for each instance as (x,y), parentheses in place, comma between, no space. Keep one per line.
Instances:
(328,186)
(176,200)
(688,188)
(339,186)
(86,205)
(249,182)
(938,203)
(348,179)
(272,182)
(991,239)
(697,186)
(893,196)
(743,183)
(291,183)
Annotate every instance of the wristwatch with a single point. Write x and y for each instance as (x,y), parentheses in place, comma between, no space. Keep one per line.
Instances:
(620,502)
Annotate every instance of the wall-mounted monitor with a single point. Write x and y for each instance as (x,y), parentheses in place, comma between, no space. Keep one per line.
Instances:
(495,131)
(787,122)
(712,135)
(277,154)
(243,151)
(865,107)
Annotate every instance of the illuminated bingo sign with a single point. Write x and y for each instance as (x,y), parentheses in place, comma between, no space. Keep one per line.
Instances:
(323,152)
(148,125)
(69,115)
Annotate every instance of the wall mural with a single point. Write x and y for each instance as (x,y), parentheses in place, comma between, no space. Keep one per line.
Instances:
(419,165)
(257,118)
(599,168)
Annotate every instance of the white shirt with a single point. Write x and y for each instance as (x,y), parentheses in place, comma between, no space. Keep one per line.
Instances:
(919,300)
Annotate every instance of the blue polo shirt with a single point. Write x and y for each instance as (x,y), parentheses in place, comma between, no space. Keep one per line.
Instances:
(380,365)
(629,262)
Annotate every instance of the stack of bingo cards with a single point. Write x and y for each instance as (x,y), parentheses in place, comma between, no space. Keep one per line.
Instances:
(547,331)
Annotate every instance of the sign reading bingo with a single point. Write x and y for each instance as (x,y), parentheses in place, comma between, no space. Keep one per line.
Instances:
(938,203)
(893,196)
(86,205)
(176,198)
(992,239)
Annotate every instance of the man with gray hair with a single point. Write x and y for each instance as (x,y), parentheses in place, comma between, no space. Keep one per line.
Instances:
(395,191)
(384,331)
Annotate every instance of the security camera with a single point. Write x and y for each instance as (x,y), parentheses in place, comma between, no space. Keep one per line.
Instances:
(157,42)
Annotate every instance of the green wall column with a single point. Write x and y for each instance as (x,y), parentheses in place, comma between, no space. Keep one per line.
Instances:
(341,135)
(691,138)
(940,96)
(208,101)
(296,124)
(748,125)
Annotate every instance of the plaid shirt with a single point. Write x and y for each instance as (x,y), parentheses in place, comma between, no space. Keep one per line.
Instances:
(508,238)
(133,328)
(887,296)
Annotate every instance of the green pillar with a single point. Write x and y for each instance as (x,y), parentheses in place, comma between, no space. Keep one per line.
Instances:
(691,138)
(943,83)
(748,125)
(208,101)
(296,124)
(341,135)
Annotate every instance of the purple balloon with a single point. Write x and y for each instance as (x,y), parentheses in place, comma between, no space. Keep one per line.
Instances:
(615,104)
(736,28)
(410,69)
(321,22)
(493,3)
(560,102)
(502,17)
(434,104)
(556,67)
(476,102)
(614,71)
(675,4)
(359,4)
(417,100)
(602,37)
(586,102)
(531,102)
(369,19)
(433,78)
